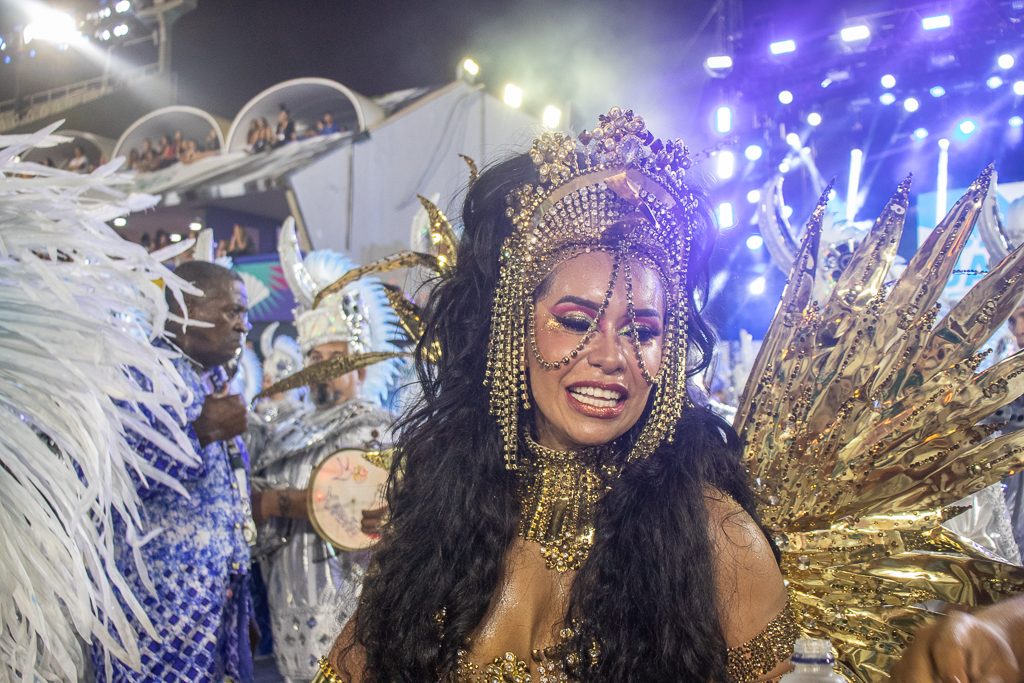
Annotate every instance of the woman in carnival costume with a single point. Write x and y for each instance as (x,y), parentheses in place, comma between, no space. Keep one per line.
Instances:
(562,508)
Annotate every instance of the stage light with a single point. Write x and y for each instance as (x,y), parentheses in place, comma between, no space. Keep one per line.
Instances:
(793,140)
(718,62)
(753,152)
(785,97)
(888,81)
(726,218)
(120,222)
(723,119)
(755,242)
(943,143)
(470,67)
(936,91)
(105,35)
(195,226)
(911,104)
(852,34)
(936,22)
(513,96)
(757,286)
(920,133)
(887,98)
(754,196)
(7,59)
(1018,88)
(782,47)
(785,167)
(967,127)
(1016,121)
(122,6)
(121,30)
(551,116)
(814,119)
(175,237)
(725,164)
(787,212)
(50,26)
(853,185)
(994,82)
(1006,61)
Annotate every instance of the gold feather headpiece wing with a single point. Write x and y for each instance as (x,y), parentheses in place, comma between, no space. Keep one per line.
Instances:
(861,424)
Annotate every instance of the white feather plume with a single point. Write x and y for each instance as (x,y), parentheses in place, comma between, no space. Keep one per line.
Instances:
(78,307)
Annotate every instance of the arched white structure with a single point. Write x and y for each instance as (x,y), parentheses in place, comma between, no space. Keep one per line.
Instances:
(306,99)
(96,147)
(193,123)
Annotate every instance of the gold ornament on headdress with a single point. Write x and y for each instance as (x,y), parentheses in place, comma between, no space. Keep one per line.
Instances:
(861,422)
(616,189)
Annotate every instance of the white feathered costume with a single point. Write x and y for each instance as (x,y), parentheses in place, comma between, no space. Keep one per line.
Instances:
(79,306)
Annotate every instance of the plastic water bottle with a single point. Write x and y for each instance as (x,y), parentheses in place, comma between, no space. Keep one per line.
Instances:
(812,663)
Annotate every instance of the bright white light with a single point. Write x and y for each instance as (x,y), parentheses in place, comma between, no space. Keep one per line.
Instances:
(757,286)
(121,30)
(888,81)
(936,22)
(920,133)
(195,226)
(814,118)
(754,196)
(1018,88)
(785,96)
(122,6)
(785,166)
(852,34)
(943,143)
(793,140)
(726,217)
(513,96)
(781,47)
(51,26)
(175,237)
(787,212)
(1016,121)
(105,35)
(725,164)
(936,91)
(753,152)
(120,222)
(911,104)
(967,126)
(551,116)
(853,185)
(887,98)
(718,62)
(470,67)
(723,119)
(1006,61)
(994,82)
(755,242)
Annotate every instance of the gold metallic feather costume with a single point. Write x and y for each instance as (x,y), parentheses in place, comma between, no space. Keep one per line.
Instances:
(862,421)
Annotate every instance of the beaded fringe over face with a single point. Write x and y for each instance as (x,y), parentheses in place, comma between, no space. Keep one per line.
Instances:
(616,189)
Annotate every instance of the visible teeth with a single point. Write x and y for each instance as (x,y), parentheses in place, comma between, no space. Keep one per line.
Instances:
(593,396)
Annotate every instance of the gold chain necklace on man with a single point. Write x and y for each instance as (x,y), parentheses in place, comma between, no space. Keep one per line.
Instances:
(559,495)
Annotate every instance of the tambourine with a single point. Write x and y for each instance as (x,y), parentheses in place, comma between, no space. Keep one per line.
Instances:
(340,488)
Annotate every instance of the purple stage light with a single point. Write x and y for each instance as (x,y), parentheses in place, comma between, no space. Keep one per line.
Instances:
(753,152)
(718,62)
(852,34)
(723,119)
(755,242)
(785,97)
(726,217)
(1016,121)
(920,133)
(967,127)
(888,81)
(911,104)
(936,91)
(814,119)
(937,22)
(754,196)
(757,286)
(994,82)
(1006,61)
(782,47)
(887,98)
(1018,88)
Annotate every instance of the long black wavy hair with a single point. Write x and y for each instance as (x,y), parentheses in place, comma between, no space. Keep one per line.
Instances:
(647,592)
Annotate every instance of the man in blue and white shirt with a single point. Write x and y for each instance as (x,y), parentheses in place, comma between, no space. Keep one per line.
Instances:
(195,552)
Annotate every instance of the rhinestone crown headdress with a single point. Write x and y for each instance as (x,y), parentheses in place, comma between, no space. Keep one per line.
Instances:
(616,189)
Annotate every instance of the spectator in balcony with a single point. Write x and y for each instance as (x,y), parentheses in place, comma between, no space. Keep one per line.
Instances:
(240,244)
(285,131)
(328,126)
(145,242)
(79,163)
(162,239)
(179,143)
(166,153)
(212,142)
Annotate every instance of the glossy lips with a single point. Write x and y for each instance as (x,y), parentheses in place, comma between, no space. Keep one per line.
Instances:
(597,399)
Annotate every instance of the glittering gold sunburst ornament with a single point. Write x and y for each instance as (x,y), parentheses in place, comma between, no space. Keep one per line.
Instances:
(616,189)
(861,422)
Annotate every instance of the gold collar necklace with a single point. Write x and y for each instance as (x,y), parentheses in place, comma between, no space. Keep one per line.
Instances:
(559,493)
